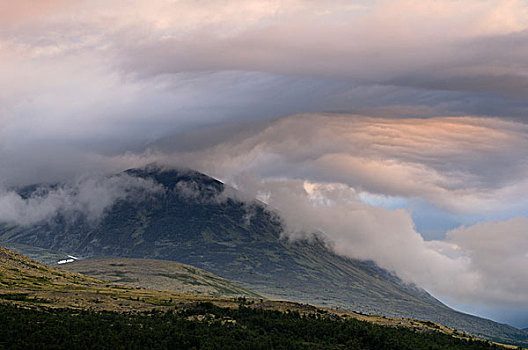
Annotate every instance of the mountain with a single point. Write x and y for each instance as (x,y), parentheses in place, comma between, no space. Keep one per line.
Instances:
(191,222)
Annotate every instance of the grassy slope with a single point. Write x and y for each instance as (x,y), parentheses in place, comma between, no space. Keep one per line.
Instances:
(158,275)
(29,284)
(26,282)
(42,255)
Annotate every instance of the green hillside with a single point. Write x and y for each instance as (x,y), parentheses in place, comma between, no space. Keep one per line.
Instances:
(28,283)
(205,326)
(44,307)
(243,244)
(158,275)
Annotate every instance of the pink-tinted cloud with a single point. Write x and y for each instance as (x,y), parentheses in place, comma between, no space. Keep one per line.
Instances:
(14,12)
(465,165)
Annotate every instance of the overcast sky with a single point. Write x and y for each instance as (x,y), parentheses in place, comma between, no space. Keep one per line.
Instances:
(396,127)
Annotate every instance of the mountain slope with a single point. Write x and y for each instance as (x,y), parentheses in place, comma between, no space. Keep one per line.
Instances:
(189,222)
(158,275)
(28,283)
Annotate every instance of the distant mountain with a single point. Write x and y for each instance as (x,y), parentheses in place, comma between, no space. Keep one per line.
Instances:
(242,243)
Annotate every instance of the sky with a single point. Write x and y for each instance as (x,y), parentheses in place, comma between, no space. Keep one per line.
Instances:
(398,128)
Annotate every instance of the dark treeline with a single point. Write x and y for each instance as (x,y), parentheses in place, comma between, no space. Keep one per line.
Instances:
(206,326)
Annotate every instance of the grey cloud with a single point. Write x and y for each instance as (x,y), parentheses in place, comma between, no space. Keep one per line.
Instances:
(491,64)
(89,197)
(509,86)
(356,56)
(499,252)
(48,136)
(358,52)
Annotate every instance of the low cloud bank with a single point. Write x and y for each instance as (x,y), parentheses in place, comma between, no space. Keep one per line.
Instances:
(498,252)
(90,197)
(484,262)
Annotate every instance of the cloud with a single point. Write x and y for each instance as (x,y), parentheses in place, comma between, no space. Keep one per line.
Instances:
(88,69)
(477,49)
(23,10)
(483,264)
(89,86)
(90,79)
(499,253)
(464,165)
(89,197)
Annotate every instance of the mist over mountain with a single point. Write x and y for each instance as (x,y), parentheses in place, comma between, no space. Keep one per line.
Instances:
(197,220)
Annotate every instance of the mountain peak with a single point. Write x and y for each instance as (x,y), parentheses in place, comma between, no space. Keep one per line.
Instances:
(170,177)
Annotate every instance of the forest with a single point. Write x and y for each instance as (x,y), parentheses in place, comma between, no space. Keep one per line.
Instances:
(206,326)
